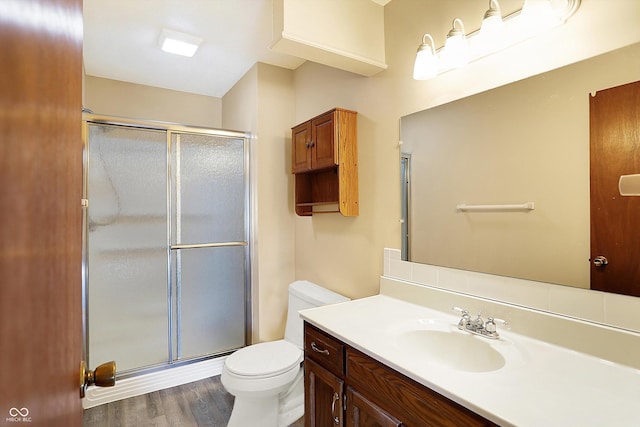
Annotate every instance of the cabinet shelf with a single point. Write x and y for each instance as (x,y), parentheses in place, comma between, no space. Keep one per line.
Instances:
(325,163)
(317,203)
(315,208)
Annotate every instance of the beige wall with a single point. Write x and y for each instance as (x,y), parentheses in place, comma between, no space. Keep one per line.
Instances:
(263,103)
(116,98)
(345,253)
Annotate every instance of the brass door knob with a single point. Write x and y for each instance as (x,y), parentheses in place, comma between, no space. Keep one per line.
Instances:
(600,261)
(103,376)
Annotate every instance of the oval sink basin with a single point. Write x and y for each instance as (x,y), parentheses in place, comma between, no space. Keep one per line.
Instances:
(454,349)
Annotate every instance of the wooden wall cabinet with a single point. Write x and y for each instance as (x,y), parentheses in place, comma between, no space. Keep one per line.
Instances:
(346,388)
(325,163)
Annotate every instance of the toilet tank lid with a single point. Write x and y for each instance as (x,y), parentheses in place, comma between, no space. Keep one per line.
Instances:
(315,294)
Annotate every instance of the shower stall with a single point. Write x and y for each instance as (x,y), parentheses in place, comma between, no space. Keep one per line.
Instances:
(166,265)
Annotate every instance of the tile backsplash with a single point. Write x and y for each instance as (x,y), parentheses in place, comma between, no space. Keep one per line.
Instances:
(604,308)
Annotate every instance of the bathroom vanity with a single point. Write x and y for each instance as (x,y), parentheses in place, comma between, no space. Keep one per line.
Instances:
(345,387)
(398,358)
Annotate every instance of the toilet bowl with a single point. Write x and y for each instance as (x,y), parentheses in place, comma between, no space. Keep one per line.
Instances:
(257,376)
(267,379)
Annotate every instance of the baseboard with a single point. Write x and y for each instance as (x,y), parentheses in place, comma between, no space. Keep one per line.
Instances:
(147,383)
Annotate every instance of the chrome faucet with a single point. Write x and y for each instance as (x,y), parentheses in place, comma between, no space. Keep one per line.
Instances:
(479,326)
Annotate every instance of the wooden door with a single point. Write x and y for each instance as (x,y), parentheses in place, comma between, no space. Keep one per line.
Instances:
(301,150)
(615,219)
(323,397)
(363,413)
(40,224)
(323,141)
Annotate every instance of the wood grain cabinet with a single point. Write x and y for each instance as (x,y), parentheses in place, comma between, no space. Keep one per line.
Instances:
(325,163)
(344,387)
(323,379)
(361,412)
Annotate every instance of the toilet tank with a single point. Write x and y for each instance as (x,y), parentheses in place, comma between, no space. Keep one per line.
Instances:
(303,295)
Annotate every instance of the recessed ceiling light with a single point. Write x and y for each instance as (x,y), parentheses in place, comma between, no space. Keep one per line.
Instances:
(178,43)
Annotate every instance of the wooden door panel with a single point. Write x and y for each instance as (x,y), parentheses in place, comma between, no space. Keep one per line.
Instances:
(323,142)
(323,396)
(301,152)
(40,224)
(615,219)
(363,413)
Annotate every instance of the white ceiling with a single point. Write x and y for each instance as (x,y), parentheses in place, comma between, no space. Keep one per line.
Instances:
(120,42)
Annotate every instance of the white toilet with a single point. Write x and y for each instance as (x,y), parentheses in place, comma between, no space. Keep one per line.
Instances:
(267,379)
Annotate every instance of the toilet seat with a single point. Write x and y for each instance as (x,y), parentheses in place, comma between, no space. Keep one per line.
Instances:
(264,360)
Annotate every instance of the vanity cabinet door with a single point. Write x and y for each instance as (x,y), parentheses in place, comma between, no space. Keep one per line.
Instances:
(323,397)
(363,413)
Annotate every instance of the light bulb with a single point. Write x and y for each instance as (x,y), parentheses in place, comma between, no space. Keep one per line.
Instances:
(456,50)
(426,65)
(492,29)
(537,16)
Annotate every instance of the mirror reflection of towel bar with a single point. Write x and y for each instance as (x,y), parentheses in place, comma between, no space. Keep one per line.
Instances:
(528,206)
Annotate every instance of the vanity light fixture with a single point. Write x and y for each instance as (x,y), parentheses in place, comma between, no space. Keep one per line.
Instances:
(456,51)
(496,33)
(427,63)
(178,43)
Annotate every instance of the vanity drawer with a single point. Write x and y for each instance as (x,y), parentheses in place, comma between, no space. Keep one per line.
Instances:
(324,349)
(414,403)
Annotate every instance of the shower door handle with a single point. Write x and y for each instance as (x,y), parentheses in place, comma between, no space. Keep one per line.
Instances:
(103,376)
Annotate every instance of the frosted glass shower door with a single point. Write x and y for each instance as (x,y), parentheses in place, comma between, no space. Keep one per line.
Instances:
(127,246)
(209,252)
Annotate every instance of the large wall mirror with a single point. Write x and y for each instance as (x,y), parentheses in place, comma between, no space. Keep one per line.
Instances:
(527,141)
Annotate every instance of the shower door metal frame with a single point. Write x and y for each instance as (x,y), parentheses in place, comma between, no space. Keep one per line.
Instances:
(170,129)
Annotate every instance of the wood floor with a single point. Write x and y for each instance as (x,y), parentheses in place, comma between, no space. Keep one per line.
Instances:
(203,403)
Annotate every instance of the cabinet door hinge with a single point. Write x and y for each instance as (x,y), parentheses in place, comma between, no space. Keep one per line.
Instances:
(344,402)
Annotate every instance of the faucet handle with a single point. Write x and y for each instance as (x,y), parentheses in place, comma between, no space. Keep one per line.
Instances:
(490,325)
(462,311)
(466,318)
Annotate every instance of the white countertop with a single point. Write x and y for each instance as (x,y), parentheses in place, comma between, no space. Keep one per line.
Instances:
(540,384)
